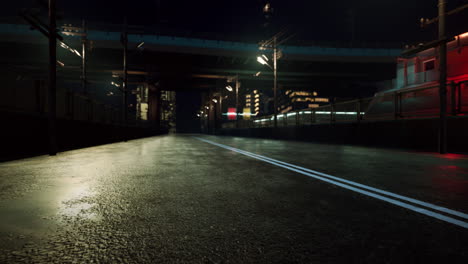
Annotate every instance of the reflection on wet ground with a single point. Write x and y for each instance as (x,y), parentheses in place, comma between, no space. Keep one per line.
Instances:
(176,199)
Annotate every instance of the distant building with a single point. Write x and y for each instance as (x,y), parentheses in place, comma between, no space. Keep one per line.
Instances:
(296,100)
(257,102)
(168,111)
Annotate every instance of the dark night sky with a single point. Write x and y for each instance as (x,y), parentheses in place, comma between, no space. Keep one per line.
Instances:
(383,20)
(394,21)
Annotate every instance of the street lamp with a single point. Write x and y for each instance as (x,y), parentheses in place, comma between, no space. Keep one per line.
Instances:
(264,61)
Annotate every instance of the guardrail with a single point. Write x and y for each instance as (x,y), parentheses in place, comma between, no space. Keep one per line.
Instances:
(419,102)
(348,111)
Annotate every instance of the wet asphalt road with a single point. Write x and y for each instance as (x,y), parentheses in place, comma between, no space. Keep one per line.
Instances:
(176,199)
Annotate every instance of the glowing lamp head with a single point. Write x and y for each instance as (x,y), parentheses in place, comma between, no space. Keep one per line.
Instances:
(229,88)
(261,60)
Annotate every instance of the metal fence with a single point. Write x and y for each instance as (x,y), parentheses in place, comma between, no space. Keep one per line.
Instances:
(420,102)
(348,111)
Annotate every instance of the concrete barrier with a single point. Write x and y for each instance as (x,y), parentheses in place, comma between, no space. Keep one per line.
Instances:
(26,135)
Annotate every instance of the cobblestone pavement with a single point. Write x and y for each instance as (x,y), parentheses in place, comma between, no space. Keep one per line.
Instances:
(175,199)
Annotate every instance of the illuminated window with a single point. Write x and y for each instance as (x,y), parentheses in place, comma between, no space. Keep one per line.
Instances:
(323,100)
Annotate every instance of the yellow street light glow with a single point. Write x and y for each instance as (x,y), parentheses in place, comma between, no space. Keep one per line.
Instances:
(261,60)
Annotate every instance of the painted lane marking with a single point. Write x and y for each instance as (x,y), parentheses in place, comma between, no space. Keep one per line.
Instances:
(367,193)
(394,195)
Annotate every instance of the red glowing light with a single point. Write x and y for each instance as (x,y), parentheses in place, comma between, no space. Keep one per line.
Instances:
(454,156)
(232,115)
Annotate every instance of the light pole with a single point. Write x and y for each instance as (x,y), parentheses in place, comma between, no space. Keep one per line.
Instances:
(442,43)
(52,115)
(264,60)
(237,101)
(125,73)
(275,83)
(442,80)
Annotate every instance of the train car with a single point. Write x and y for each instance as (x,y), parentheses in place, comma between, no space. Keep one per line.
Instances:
(415,91)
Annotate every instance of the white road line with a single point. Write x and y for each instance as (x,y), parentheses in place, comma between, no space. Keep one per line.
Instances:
(335,180)
(394,195)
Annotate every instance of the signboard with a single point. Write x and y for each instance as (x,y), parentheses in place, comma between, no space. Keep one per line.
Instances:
(232,115)
(246,114)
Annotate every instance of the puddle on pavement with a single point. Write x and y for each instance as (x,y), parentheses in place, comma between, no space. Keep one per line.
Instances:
(43,211)
(77,202)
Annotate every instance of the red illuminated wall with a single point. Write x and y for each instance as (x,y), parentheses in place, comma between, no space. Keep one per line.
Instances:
(457,62)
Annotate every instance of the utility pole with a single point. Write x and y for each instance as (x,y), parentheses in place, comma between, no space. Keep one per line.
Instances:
(442,79)
(237,101)
(442,43)
(52,116)
(275,82)
(83,70)
(125,72)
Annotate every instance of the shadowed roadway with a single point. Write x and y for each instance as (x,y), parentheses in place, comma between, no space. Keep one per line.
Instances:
(207,199)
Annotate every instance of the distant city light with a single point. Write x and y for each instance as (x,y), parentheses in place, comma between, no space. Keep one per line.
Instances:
(267,8)
(258,73)
(229,88)
(232,113)
(214,101)
(115,84)
(141,45)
